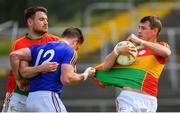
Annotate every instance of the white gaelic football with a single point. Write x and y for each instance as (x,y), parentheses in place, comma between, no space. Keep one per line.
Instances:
(129,58)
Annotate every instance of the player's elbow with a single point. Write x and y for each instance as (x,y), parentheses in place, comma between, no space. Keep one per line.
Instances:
(13,55)
(65,80)
(167,53)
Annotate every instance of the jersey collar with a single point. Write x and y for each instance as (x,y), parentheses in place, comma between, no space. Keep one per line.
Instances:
(32,38)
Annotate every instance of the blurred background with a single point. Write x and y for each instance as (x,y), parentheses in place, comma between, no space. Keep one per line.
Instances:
(104,23)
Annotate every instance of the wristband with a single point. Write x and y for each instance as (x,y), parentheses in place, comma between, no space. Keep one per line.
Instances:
(85,75)
(86,72)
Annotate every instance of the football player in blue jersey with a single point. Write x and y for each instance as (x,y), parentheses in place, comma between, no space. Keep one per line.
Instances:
(45,88)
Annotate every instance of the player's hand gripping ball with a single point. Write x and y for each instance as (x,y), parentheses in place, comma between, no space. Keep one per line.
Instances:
(129,58)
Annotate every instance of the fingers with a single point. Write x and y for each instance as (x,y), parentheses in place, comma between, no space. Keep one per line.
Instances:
(132,51)
(89,72)
(131,48)
(53,66)
(135,40)
(49,66)
(130,37)
(92,72)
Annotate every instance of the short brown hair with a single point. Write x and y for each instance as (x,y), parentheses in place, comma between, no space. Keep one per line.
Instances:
(154,21)
(73,32)
(30,12)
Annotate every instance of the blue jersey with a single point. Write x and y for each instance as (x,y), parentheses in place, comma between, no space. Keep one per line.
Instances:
(51,52)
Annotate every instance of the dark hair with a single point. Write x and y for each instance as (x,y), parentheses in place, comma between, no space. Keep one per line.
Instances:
(73,32)
(154,22)
(30,12)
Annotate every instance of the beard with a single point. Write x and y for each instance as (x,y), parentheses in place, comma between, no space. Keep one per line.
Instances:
(41,30)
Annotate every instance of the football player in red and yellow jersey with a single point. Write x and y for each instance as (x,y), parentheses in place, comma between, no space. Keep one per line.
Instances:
(139,81)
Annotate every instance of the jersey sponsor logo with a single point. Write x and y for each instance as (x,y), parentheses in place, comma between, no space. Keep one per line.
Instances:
(142,52)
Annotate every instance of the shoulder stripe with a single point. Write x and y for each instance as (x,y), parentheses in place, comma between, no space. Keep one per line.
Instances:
(74,59)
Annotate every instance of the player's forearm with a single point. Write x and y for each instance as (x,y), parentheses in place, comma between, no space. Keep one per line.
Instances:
(74,79)
(30,72)
(158,49)
(15,62)
(109,61)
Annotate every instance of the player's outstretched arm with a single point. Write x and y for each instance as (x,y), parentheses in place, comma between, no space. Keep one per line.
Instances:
(68,75)
(109,60)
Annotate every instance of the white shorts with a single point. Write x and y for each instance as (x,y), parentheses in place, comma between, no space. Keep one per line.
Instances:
(44,101)
(17,103)
(129,101)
